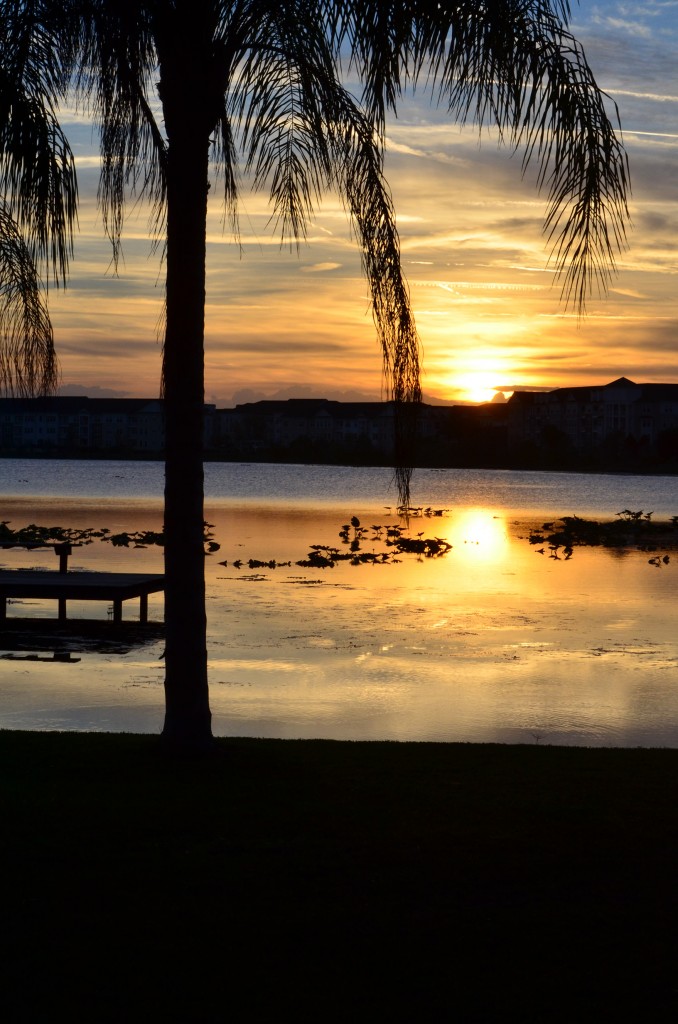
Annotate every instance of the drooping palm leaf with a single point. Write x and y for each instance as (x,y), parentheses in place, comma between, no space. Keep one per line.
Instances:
(39,189)
(514,65)
(37,168)
(28,364)
(116,68)
(302,134)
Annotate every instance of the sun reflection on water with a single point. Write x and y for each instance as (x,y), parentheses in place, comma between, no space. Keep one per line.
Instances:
(479,535)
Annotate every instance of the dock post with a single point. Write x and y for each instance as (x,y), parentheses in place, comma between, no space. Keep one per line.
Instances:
(143,608)
(63,551)
(62,609)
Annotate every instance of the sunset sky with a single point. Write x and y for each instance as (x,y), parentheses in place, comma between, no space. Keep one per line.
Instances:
(281,323)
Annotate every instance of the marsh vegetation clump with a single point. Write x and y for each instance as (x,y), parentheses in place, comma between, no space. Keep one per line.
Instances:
(34,536)
(393,539)
(386,543)
(633,530)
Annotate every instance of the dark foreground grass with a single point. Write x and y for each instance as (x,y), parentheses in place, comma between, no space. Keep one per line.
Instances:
(320,881)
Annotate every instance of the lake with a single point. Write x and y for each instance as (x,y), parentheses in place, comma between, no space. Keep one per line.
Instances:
(494,641)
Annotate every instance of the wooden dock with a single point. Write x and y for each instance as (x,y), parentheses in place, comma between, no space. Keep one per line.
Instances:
(114,587)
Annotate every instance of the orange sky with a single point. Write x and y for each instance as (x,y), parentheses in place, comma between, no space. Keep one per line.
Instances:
(283,323)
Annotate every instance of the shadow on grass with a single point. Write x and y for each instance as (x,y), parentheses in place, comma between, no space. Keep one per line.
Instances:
(319,880)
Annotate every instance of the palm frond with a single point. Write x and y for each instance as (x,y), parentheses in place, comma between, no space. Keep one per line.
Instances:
(276,99)
(359,174)
(303,133)
(225,160)
(512,64)
(37,167)
(28,364)
(117,62)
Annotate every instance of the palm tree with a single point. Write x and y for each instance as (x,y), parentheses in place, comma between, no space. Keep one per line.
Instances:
(183,88)
(218,67)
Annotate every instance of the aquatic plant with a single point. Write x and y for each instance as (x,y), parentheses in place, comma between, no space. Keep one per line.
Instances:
(630,530)
(33,536)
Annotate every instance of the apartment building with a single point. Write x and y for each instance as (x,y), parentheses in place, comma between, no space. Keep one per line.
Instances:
(589,417)
(84,424)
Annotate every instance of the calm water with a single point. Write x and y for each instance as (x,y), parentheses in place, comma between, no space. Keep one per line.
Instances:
(493,642)
(334,486)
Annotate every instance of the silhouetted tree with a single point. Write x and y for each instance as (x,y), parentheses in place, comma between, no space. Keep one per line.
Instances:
(183,88)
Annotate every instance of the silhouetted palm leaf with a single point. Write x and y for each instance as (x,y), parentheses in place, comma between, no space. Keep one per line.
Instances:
(27,357)
(39,189)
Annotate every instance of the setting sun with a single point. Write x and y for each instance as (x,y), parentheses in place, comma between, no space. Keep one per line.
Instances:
(478,386)
(475,378)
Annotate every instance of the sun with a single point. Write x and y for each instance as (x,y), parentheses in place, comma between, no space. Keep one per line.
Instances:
(476,376)
(476,385)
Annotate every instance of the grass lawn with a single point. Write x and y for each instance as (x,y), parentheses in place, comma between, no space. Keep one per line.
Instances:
(316,880)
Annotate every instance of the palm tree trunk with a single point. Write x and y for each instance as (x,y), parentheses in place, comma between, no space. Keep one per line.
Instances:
(187,716)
